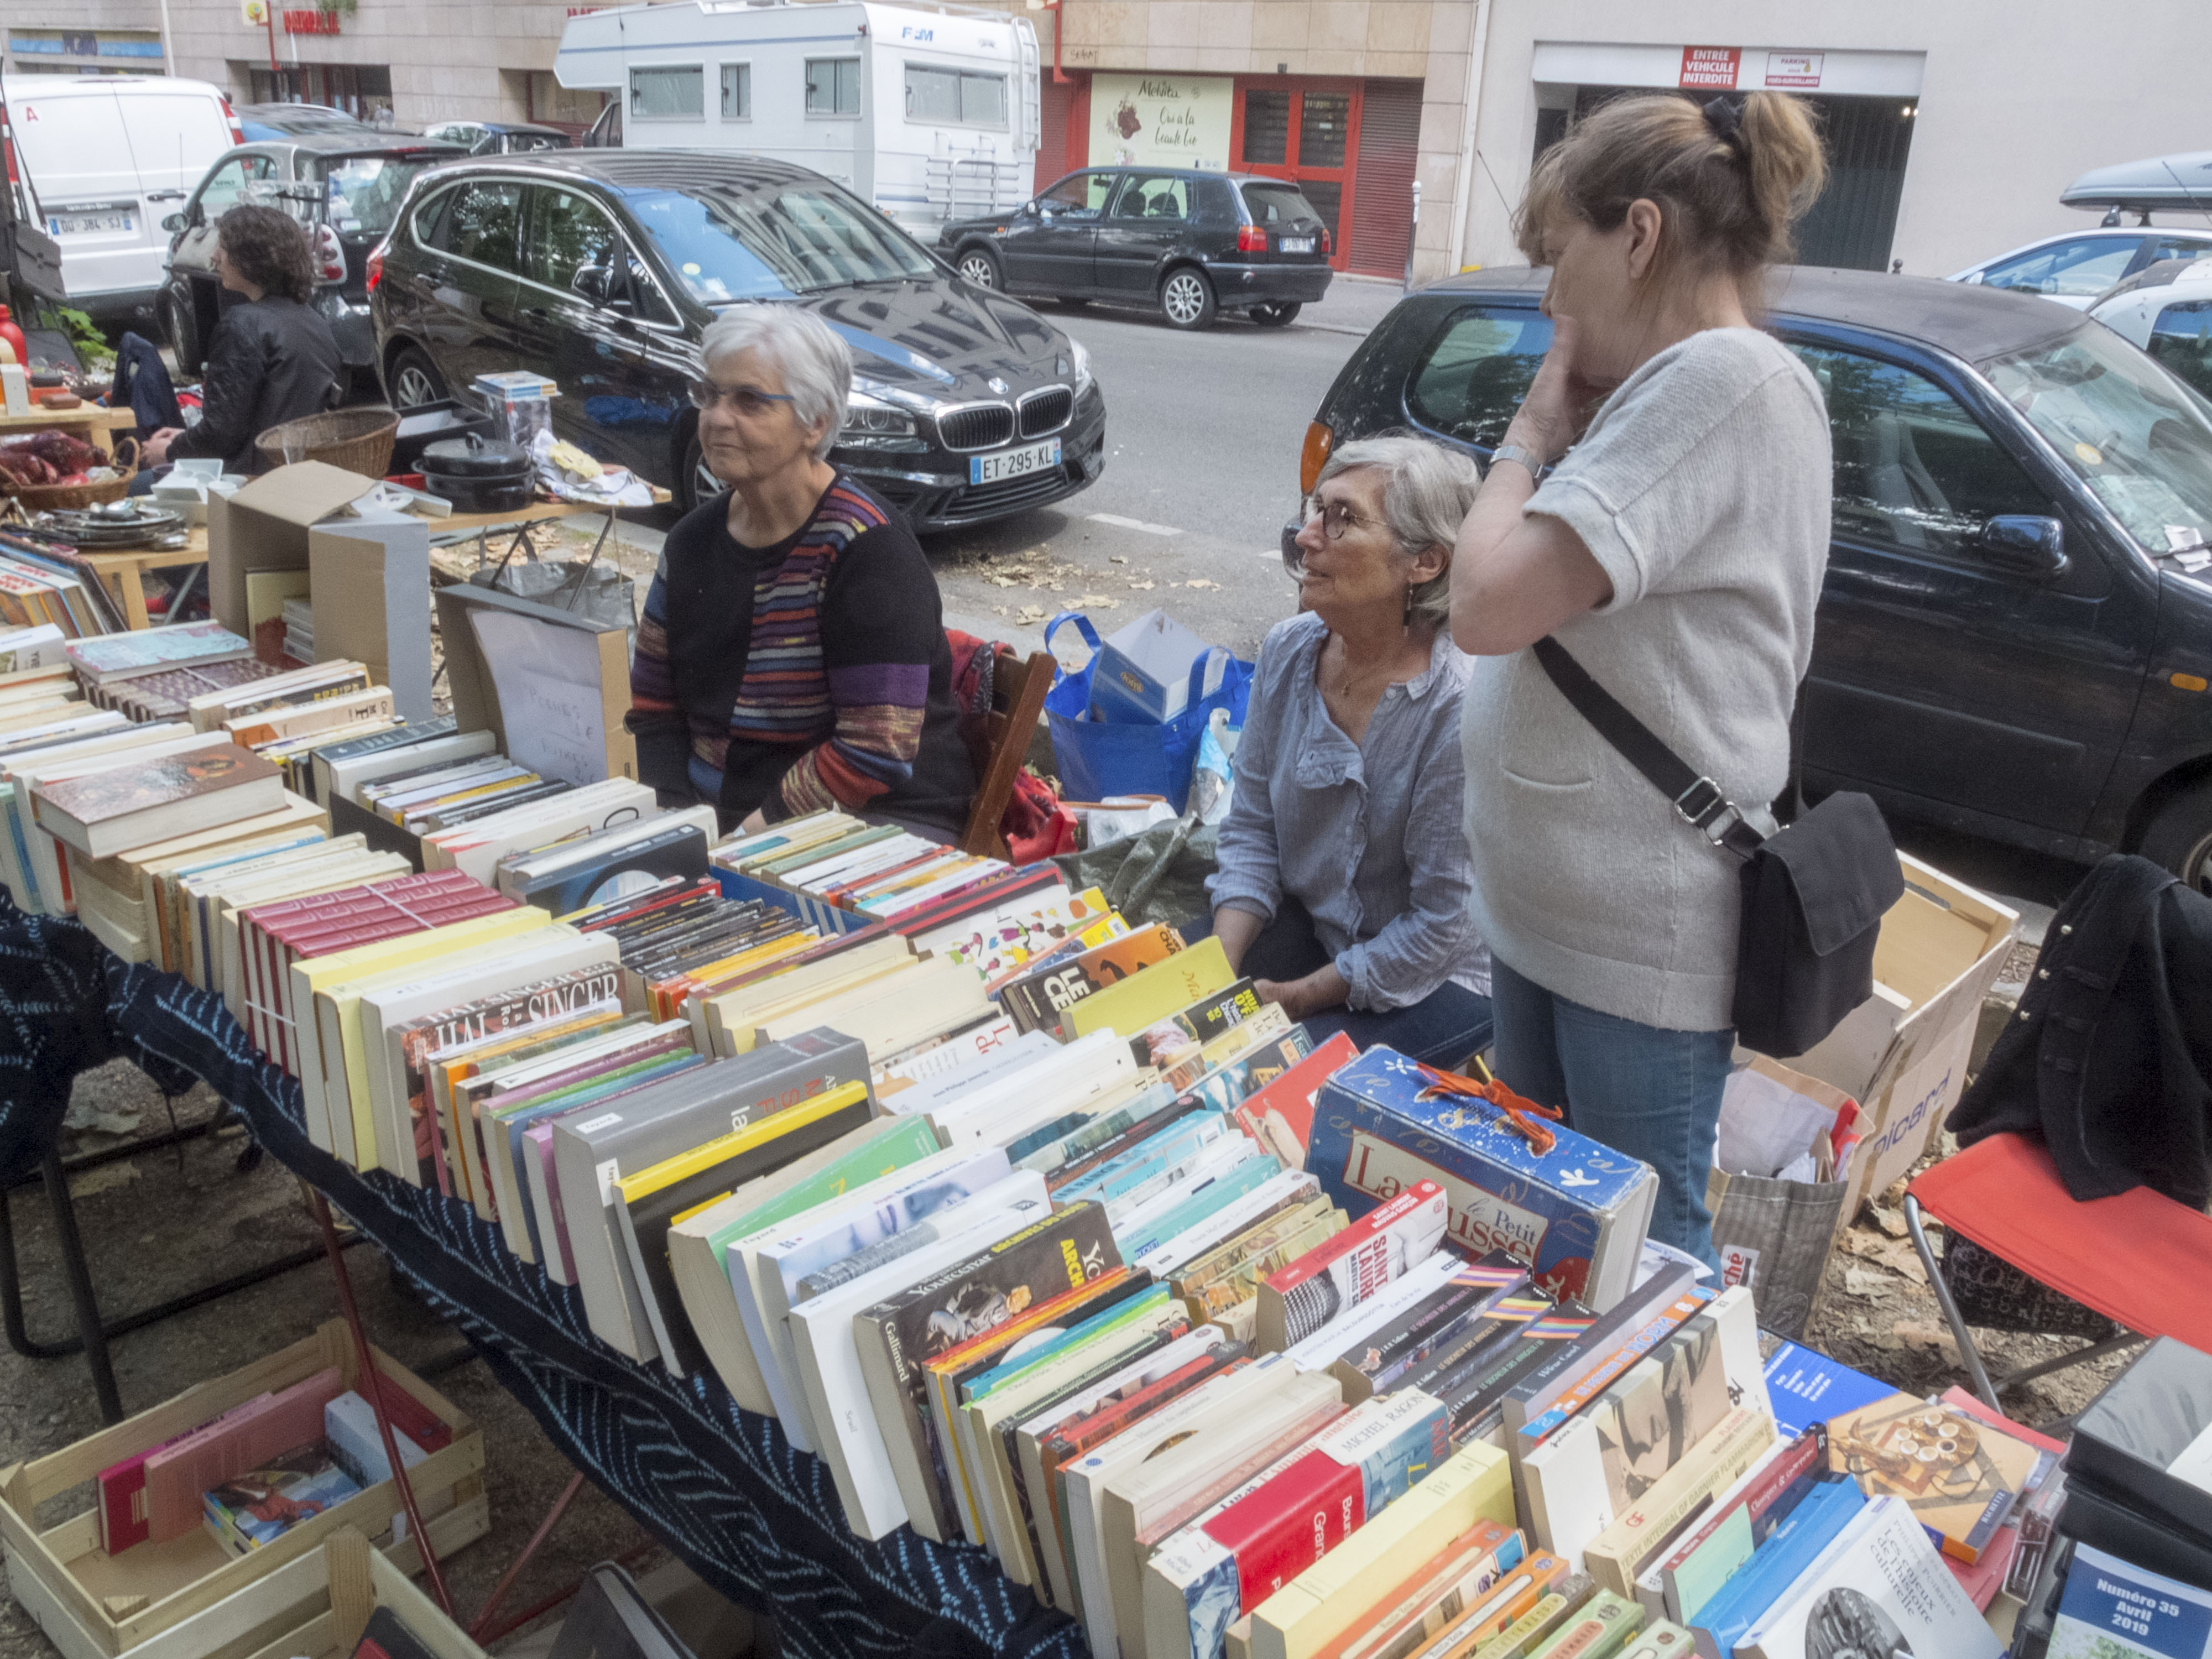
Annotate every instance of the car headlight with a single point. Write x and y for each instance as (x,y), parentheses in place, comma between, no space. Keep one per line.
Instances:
(1076,361)
(872,420)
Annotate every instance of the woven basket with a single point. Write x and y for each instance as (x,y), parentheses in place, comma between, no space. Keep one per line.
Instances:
(45,498)
(358,440)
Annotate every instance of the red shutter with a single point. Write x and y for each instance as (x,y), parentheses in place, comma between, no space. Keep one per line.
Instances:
(1055,107)
(1383,191)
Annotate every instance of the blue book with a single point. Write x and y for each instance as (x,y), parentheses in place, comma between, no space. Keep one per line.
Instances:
(1817,1522)
(1206,1196)
(1575,1212)
(2114,1606)
(1809,1388)
(1180,1140)
(975,1387)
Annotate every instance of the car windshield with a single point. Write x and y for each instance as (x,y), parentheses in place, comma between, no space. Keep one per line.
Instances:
(2140,438)
(365,190)
(772,240)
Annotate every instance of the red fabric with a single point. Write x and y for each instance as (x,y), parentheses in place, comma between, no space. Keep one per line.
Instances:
(1035,823)
(2139,1258)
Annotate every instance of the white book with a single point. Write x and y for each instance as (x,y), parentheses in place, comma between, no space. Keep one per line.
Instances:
(476,848)
(1362,1319)
(1165,1261)
(517,868)
(1044,900)
(948,1080)
(828,1363)
(1881,1580)
(873,1211)
(342,779)
(1077,1072)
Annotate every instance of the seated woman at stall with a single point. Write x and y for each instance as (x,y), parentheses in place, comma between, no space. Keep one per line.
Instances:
(1344,879)
(793,653)
(272,357)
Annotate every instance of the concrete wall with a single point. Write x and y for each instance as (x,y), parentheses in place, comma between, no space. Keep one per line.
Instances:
(2017,100)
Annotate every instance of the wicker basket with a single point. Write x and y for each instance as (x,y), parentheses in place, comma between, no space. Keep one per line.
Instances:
(47,498)
(358,440)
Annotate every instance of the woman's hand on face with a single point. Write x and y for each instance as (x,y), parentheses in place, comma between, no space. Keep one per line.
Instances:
(1559,403)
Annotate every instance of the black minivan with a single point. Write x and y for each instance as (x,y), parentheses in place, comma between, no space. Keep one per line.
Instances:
(1194,244)
(600,268)
(2014,636)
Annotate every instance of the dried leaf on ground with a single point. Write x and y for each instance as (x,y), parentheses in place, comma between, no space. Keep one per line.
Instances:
(1865,1281)
(1097,601)
(1200,581)
(1003,582)
(1117,558)
(1930,1333)
(1890,1221)
(1144,587)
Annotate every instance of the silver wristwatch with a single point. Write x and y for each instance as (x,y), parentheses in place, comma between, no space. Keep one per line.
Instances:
(1537,467)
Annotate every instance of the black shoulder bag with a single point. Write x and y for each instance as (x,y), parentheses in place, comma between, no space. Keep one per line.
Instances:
(1814,893)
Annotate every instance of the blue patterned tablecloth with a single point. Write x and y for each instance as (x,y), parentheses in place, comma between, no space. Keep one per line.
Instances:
(721,1487)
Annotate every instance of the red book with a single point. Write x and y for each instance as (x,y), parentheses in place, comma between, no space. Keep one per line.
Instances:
(177,1475)
(1280,1116)
(1347,1269)
(123,1488)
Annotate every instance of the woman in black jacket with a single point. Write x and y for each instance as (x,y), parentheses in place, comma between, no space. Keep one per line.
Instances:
(272,358)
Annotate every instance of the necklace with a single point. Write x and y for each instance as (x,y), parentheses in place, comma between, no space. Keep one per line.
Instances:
(1344,686)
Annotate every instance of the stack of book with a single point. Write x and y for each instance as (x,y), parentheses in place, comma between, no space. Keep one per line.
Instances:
(43,585)
(299,617)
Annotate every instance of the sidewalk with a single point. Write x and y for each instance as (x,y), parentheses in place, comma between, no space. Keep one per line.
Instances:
(1353,305)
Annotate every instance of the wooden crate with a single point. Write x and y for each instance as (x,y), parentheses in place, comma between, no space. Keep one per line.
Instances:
(95,1606)
(334,1589)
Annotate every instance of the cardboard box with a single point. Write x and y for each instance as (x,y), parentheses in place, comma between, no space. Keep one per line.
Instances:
(369,581)
(97,1606)
(1143,675)
(551,686)
(1902,1053)
(264,525)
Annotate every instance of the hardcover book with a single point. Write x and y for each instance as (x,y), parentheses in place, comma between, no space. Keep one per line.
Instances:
(109,811)
(1576,1211)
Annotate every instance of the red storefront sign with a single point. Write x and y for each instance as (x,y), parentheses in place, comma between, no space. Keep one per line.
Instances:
(311,22)
(1711,66)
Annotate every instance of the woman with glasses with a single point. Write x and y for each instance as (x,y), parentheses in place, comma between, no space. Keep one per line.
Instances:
(792,655)
(1345,876)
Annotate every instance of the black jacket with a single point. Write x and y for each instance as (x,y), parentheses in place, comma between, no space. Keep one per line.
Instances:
(270,360)
(2109,1058)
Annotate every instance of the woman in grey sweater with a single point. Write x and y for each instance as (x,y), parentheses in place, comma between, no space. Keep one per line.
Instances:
(1677,552)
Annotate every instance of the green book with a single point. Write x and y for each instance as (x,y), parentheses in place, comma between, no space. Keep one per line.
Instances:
(909,1142)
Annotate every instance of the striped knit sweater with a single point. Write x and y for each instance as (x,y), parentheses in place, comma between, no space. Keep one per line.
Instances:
(811,674)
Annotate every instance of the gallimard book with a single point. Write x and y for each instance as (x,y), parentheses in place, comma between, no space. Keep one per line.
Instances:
(1959,1476)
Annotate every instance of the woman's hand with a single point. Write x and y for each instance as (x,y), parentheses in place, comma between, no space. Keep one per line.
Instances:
(752,824)
(1322,988)
(156,449)
(1559,403)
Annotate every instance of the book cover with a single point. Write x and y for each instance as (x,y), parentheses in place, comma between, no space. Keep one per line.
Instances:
(1475,1289)
(104,797)
(253,1509)
(1037,1001)
(178,1474)
(108,657)
(1541,1389)
(2113,1609)
(1880,1587)
(632,868)
(1808,1388)
(1227,1086)
(1959,1476)
(1172,1038)
(1576,1211)
(1624,1549)
(122,1487)
(1742,1519)
(1298,1301)
(1153,992)
(1280,1116)
(1801,1538)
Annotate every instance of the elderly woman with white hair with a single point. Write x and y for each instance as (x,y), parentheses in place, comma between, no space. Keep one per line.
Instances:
(792,655)
(1345,875)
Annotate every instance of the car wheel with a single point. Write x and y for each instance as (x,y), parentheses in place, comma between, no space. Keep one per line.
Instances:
(2180,837)
(1279,315)
(1186,299)
(695,484)
(415,379)
(981,266)
(178,332)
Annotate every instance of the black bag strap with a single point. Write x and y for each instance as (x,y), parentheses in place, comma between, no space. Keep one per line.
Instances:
(1701,802)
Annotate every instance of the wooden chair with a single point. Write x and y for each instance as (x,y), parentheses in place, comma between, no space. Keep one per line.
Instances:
(1017,692)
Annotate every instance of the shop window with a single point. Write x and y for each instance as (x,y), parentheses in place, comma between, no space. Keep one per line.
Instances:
(1914,470)
(954,97)
(673,94)
(737,92)
(1477,370)
(1324,125)
(1266,129)
(833,86)
(2181,339)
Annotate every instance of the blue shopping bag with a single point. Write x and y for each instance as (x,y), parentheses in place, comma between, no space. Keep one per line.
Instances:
(1097,759)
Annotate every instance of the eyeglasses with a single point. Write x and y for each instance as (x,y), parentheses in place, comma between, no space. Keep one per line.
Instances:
(1337,517)
(749,401)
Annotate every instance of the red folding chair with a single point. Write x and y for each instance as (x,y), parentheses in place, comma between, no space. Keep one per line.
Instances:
(2141,1260)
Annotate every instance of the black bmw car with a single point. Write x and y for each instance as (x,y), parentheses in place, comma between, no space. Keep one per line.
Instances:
(2014,636)
(601,269)
(1194,244)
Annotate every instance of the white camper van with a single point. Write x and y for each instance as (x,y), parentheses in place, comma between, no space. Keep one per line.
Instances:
(929,111)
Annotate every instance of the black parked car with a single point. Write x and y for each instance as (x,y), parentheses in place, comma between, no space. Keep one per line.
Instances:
(2006,644)
(343,183)
(1194,244)
(600,268)
(500,137)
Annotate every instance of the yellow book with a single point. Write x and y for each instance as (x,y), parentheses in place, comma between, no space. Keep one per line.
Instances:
(667,1173)
(1329,1597)
(1623,1550)
(741,1037)
(732,1015)
(1153,992)
(670,995)
(348,1134)
(423,809)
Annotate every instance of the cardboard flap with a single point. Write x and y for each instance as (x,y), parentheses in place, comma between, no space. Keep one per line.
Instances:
(304,493)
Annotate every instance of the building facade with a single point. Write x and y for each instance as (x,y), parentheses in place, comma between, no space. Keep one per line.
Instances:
(1951,127)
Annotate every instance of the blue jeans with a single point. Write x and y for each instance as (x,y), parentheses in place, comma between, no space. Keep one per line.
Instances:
(1652,1093)
(1443,1029)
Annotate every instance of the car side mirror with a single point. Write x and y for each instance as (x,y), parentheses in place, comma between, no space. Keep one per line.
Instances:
(173,224)
(594,283)
(1974,281)
(2024,545)
(1036,210)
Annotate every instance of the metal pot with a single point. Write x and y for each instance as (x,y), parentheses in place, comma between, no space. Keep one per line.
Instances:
(480,495)
(475,456)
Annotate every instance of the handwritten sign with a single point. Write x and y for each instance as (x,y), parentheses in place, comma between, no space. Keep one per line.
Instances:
(1161,120)
(550,700)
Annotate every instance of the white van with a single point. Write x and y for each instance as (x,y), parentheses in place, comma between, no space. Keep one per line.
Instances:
(104,158)
(928,112)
